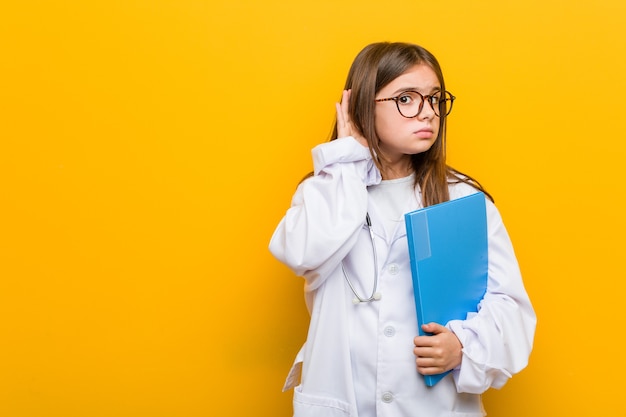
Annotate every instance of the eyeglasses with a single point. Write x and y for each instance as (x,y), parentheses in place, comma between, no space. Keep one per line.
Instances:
(411,103)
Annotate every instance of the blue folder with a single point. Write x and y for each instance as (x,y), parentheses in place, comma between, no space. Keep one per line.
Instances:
(448,252)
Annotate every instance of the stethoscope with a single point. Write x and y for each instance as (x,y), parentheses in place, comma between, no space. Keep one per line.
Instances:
(375,295)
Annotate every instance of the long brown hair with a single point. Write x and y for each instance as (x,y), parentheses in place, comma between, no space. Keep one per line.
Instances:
(376,66)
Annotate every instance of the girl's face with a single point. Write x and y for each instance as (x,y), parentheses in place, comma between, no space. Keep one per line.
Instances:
(400,136)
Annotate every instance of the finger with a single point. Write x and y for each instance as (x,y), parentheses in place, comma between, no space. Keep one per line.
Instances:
(343,117)
(340,120)
(428,366)
(431,350)
(345,104)
(345,107)
(430,370)
(434,328)
(427,362)
(423,353)
(424,341)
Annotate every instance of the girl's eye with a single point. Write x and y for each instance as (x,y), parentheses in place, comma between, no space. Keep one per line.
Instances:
(405,99)
(435,100)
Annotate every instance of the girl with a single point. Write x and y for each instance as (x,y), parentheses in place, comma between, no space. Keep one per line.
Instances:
(363,358)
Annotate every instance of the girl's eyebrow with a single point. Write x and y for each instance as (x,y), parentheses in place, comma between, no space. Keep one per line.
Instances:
(418,89)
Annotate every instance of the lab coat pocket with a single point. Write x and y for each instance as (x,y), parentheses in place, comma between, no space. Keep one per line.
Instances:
(293,379)
(307,405)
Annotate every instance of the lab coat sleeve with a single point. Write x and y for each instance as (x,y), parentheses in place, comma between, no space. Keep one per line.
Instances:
(327,211)
(497,340)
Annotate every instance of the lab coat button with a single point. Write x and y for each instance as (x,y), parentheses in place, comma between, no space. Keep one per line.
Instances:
(387,397)
(389,331)
(393,269)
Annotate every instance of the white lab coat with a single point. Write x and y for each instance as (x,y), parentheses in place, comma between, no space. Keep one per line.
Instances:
(324,226)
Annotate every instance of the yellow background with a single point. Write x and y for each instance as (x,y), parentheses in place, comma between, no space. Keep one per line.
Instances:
(148,148)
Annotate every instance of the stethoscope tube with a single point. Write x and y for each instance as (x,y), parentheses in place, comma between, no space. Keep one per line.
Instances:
(375,295)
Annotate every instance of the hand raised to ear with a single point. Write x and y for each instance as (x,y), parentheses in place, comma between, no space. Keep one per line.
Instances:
(344,124)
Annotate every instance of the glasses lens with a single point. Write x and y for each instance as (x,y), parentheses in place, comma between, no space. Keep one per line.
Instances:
(410,103)
(445,104)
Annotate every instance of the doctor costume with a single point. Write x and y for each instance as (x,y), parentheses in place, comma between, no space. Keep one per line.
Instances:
(358,359)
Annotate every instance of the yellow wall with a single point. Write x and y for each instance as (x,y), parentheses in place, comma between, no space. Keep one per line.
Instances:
(149,147)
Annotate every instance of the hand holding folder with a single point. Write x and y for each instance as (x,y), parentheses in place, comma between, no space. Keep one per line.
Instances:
(448,253)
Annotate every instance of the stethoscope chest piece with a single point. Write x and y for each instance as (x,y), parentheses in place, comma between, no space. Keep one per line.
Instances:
(356,300)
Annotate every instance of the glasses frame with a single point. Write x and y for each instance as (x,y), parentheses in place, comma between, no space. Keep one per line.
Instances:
(443,101)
